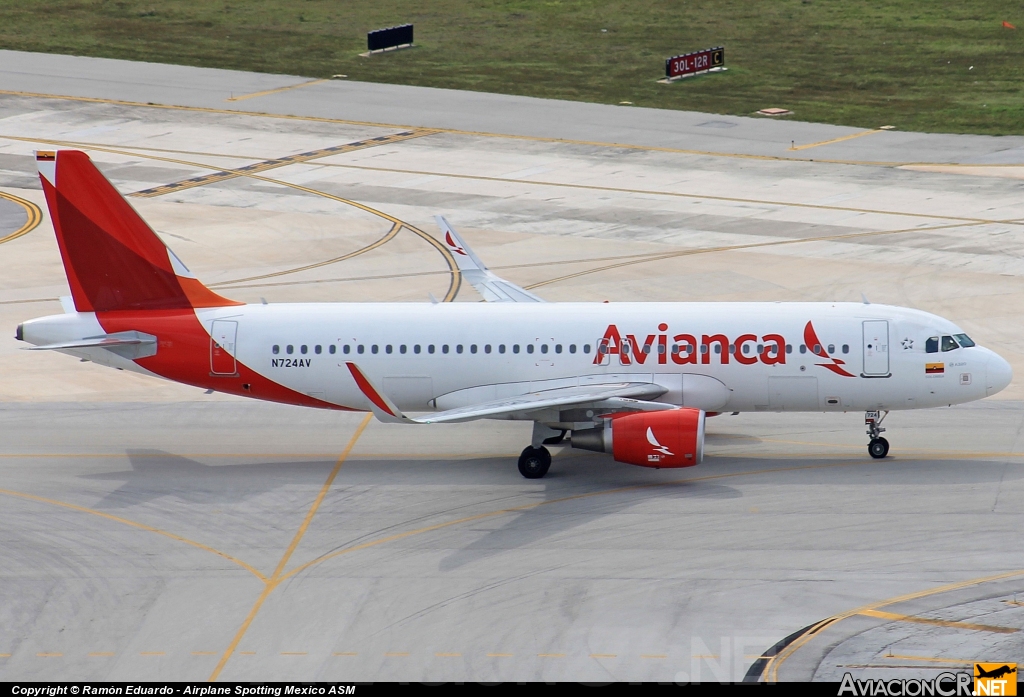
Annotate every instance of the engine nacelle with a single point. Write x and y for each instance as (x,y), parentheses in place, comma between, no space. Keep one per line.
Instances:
(671,438)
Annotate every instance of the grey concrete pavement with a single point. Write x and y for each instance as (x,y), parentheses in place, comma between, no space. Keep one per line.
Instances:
(101,78)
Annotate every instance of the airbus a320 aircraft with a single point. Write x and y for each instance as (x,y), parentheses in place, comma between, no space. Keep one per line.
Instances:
(635,380)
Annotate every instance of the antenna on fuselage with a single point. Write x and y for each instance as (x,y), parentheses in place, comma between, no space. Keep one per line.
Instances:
(864,298)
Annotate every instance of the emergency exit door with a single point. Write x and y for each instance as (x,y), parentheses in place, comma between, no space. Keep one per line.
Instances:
(222,347)
(876,348)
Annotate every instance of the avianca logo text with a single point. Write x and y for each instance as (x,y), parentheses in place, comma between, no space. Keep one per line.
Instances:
(746,349)
(687,350)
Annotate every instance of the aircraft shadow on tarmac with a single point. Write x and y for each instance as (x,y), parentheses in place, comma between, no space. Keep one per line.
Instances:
(593,486)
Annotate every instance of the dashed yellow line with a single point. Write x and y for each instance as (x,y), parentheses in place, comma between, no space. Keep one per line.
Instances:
(34,216)
(836,140)
(264,93)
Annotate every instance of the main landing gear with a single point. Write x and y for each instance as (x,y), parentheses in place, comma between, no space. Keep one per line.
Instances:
(534,462)
(878,447)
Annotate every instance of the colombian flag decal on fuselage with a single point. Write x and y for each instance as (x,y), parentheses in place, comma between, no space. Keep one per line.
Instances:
(934,368)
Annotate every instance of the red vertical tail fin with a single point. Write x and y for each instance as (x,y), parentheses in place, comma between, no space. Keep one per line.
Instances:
(113,259)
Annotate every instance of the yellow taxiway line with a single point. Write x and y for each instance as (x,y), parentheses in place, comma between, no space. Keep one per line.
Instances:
(264,93)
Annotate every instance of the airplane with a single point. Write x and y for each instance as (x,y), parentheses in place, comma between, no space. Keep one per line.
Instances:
(635,380)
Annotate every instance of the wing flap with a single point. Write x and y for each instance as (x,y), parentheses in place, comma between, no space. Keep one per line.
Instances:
(626,395)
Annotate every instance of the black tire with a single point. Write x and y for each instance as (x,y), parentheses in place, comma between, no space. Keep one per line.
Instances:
(878,448)
(534,462)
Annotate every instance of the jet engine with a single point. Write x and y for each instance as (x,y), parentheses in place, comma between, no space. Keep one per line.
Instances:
(671,438)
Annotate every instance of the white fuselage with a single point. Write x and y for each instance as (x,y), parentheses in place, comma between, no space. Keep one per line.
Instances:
(441,356)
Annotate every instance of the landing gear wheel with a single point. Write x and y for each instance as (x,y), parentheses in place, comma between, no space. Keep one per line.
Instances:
(878,448)
(534,462)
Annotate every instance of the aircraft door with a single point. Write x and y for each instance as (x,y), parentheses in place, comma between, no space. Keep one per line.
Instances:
(876,348)
(222,347)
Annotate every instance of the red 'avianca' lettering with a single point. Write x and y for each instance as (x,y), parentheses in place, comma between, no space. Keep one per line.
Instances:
(686,349)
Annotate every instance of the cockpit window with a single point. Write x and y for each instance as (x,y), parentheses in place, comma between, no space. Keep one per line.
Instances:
(949,344)
(932,345)
(964,340)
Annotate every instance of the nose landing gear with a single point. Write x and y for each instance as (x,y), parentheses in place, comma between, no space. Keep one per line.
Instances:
(878,447)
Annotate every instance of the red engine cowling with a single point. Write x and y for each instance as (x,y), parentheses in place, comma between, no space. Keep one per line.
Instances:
(672,438)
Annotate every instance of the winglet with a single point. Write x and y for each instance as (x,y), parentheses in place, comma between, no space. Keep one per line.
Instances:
(493,288)
(382,407)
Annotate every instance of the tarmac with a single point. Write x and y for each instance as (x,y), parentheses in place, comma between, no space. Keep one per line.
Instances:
(151,531)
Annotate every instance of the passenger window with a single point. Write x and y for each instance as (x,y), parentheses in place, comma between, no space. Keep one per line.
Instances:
(932,345)
(515,348)
(529,348)
(558,348)
(416,348)
(304,350)
(374,349)
(964,340)
(458,348)
(817,350)
(543,348)
(661,349)
(501,348)
(586,348)
(472,348)
(444,348)
(572,348)
(846,348)
(789,348)
(290,349)
(276,350)
(317,349)
(332,349)
(346,348)
(704,348)
(487,348)
(402,348)
(745,348)
(760,348)
(387,349)
(949,343)
(361,349)
(430,348)
(803,348)
(831,348)
(718,348)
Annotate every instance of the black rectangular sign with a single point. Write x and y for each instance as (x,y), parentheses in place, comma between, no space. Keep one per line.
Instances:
(388,38)
(696,62)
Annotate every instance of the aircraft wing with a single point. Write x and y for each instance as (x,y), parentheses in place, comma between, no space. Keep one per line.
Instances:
(622,396)
(494,289)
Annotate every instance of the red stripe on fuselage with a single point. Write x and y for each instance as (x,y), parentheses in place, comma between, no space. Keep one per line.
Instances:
(183,355)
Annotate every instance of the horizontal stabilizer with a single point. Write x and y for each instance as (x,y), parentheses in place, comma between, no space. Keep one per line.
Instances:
(494,289)
(129,344)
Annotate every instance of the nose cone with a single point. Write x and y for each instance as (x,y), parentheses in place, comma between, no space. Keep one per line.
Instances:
(999,374)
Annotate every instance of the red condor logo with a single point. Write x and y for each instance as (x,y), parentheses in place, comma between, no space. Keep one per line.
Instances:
(746,349)
(451,244)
